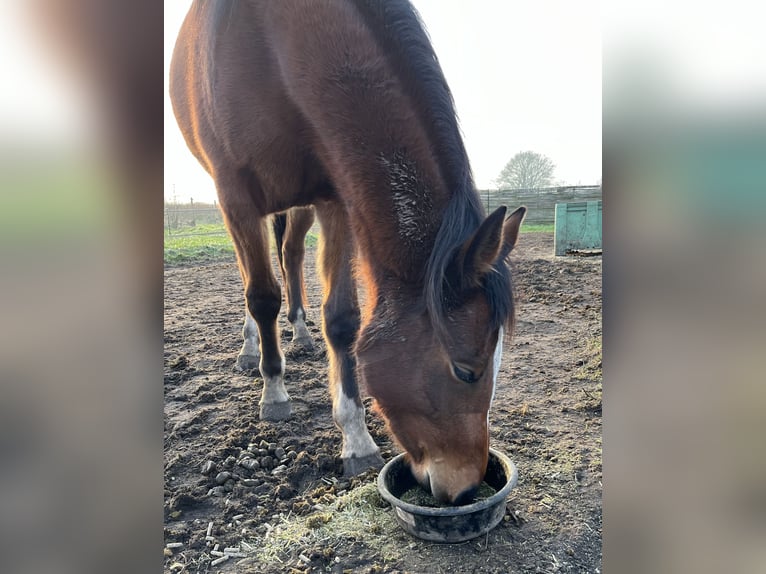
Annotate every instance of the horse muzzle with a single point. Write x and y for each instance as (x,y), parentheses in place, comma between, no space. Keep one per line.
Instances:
(449,484)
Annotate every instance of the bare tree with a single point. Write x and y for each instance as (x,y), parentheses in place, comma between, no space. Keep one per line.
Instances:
(526,170)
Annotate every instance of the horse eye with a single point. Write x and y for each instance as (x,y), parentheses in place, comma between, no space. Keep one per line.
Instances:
(465,375)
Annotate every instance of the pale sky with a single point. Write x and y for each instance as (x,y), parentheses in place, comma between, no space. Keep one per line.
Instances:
(525,75)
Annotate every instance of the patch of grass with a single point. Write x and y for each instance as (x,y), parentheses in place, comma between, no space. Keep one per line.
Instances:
(197,249)
(360,515)
(537,228)
(209,242)
(312,239)
(204,243)
(203,228)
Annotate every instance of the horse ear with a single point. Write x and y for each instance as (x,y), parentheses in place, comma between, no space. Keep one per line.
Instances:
(482,250)
(511,230)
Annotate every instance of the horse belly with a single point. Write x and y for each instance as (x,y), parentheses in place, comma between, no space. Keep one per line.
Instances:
(245,120)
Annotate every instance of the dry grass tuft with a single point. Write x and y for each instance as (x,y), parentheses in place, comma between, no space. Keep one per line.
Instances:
(360,515)
(591,363)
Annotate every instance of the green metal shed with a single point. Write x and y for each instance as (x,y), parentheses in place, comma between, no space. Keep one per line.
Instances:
(577,227)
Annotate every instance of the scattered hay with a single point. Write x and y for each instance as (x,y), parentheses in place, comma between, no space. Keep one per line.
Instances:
(318,520)
(521,411)
(360,515)
(590,365)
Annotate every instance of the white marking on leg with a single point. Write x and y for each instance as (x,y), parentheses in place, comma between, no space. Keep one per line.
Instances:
(349,416)
(300,331)
(250,336)
(274,387)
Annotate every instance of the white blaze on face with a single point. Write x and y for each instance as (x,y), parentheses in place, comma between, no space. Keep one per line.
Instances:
(496,368)
(496,362)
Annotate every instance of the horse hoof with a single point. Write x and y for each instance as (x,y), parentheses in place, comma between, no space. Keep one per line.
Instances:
(247,362)
(276,411)
(357,465)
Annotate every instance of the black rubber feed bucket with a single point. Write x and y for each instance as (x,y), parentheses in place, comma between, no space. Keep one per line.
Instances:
(452,523)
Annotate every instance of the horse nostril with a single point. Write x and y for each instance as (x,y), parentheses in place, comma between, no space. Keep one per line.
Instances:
(466,497)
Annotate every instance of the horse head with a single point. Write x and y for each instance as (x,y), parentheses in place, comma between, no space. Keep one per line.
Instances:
(433,378)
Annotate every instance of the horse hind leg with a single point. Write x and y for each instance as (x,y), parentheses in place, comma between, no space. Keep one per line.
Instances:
(249,356)
(290,231)
(341,319)
(262,292)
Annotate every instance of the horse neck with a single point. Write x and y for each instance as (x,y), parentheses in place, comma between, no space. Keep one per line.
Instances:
(372,127)
(396,219)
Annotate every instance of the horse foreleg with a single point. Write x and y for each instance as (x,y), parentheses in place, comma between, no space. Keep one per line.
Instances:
(341,319)
(263,301)
(263,295)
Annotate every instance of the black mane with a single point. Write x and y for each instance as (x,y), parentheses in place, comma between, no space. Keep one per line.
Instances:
(400,30)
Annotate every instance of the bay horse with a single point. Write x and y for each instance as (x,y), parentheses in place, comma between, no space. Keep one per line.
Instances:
(342,104)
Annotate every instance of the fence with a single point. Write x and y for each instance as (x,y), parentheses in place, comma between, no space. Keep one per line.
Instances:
(541,203)
(182,219)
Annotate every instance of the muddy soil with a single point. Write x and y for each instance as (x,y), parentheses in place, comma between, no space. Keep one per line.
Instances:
(231,480)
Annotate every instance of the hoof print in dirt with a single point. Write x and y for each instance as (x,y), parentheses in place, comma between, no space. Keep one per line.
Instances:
(357,465)
(276,411)
(246,363)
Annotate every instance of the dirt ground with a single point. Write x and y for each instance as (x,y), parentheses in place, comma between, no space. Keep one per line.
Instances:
(272,495)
